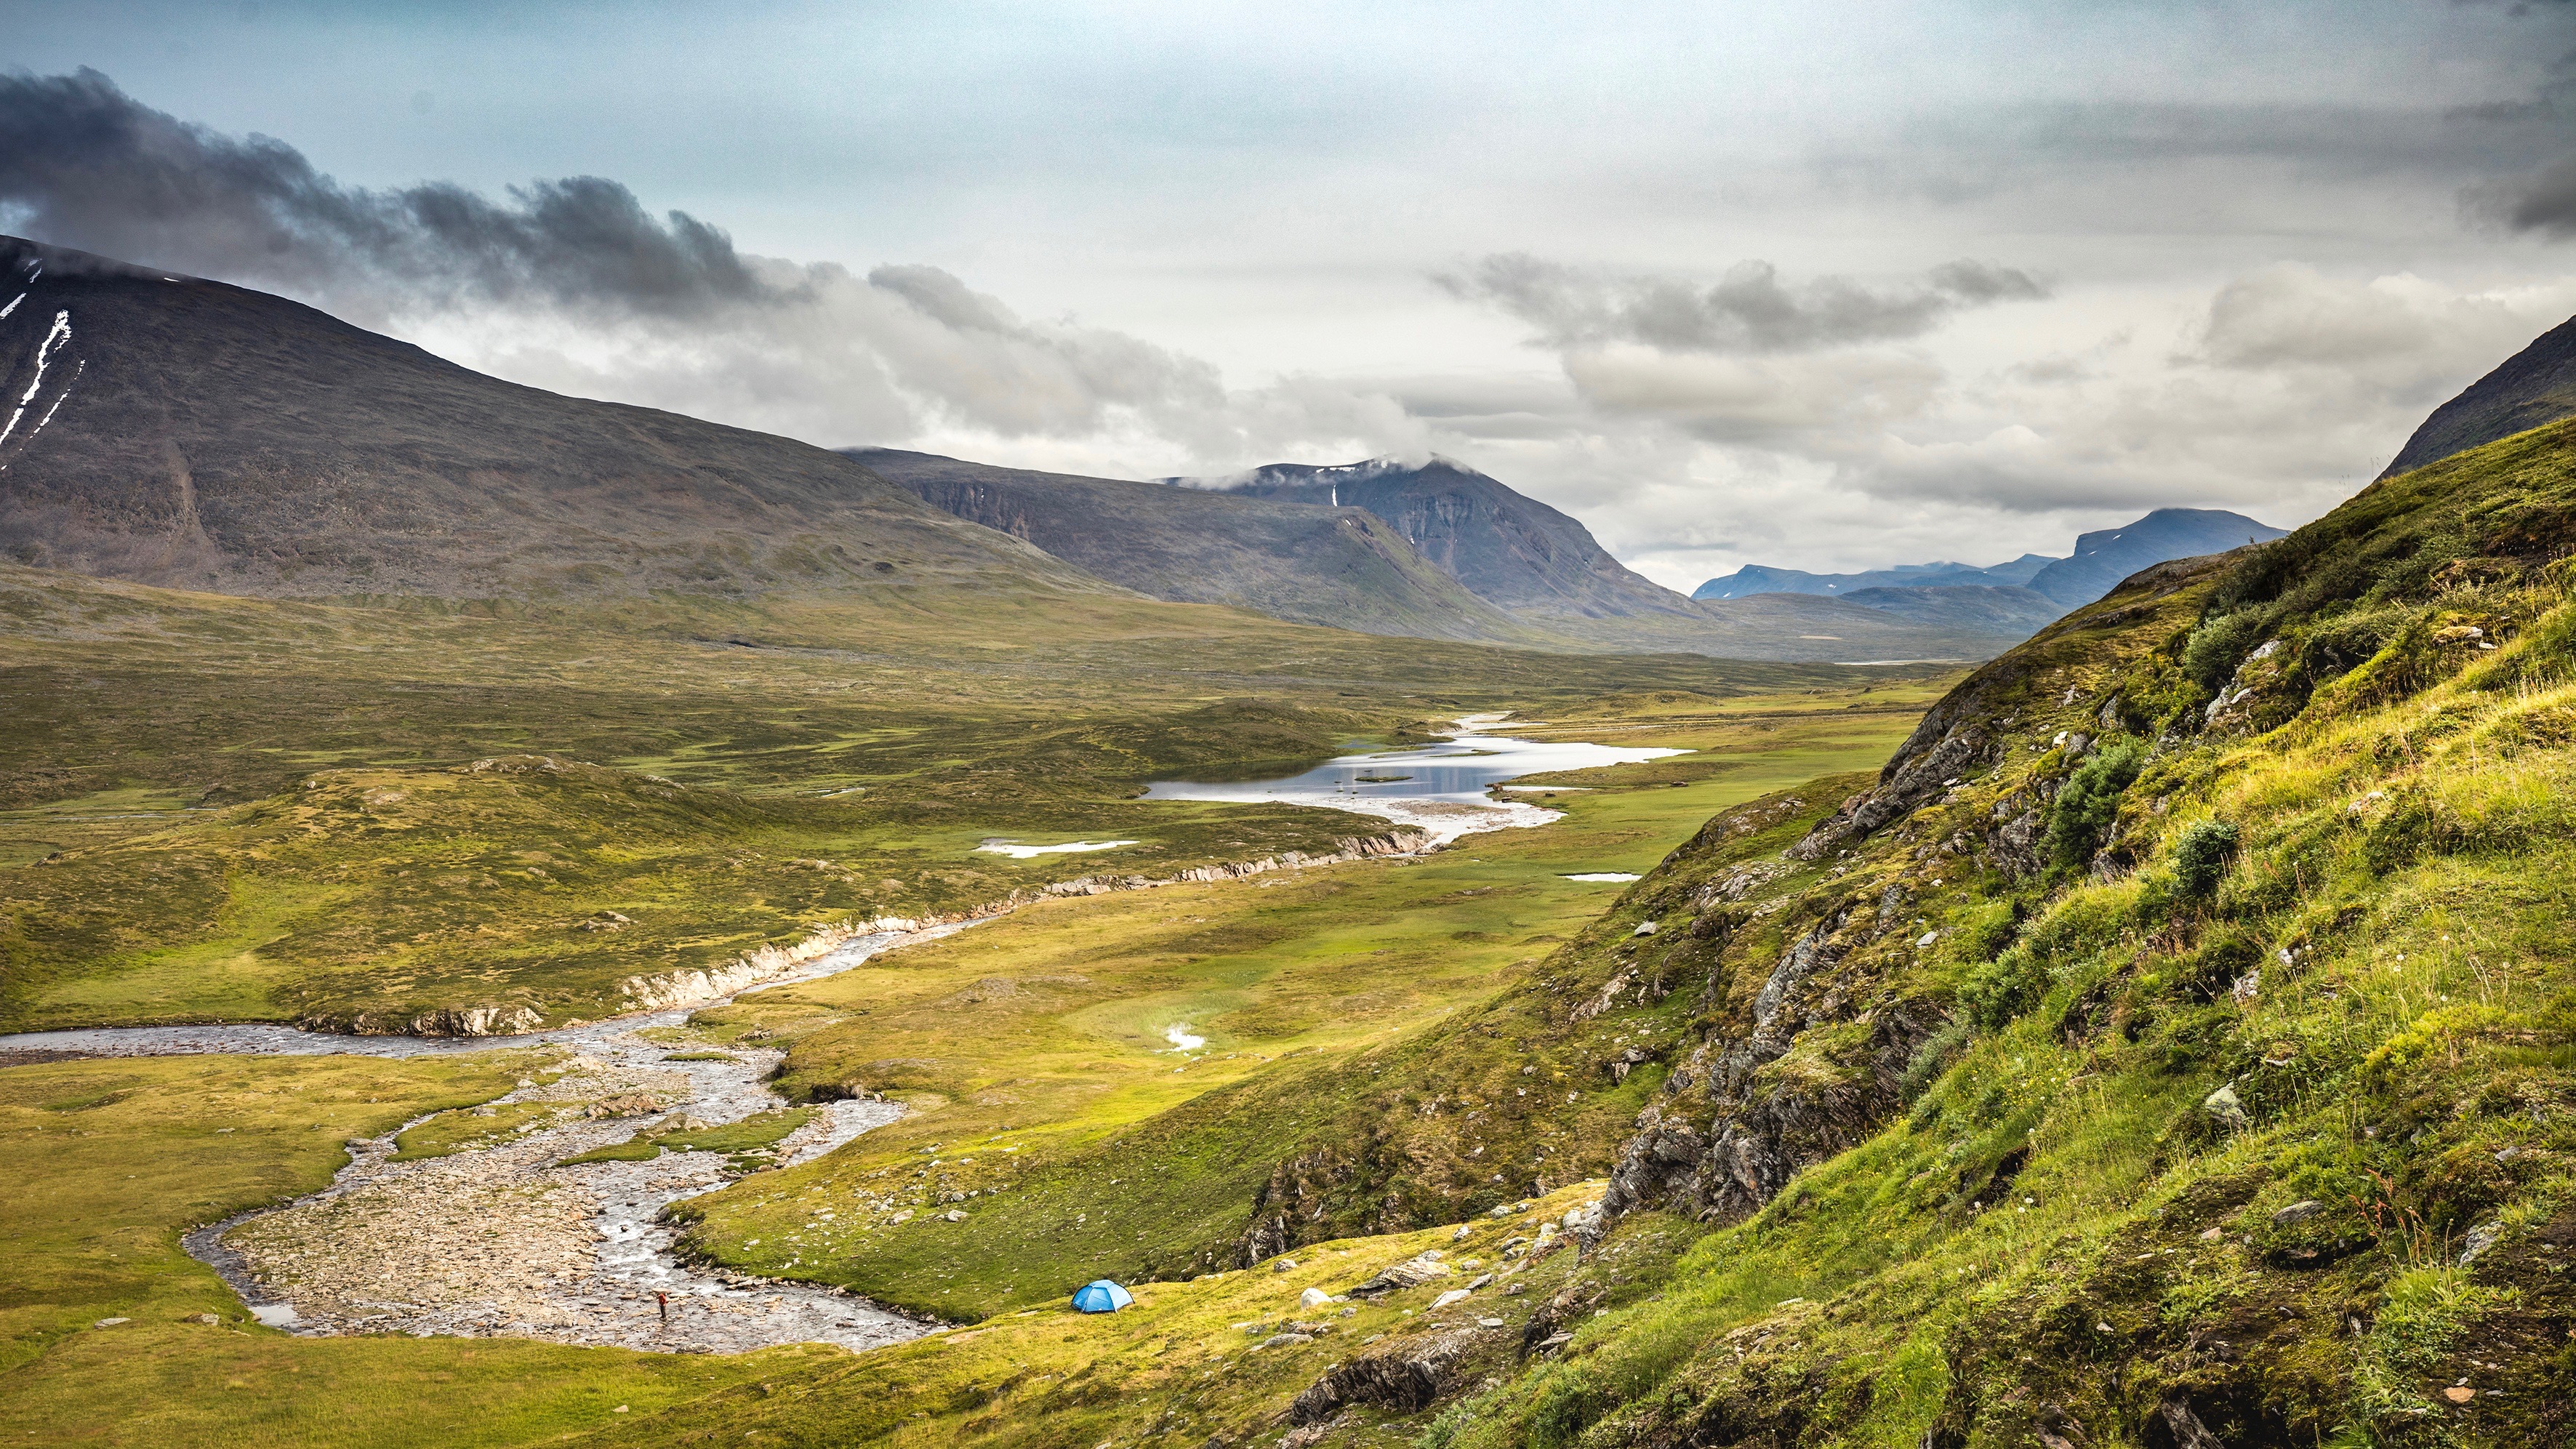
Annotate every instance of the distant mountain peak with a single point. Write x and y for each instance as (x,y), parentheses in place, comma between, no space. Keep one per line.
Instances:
(2093,568)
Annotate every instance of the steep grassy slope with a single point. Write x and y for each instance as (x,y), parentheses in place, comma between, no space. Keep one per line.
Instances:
(2128,1075)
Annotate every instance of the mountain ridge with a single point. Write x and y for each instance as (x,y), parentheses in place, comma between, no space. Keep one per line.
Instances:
(193,434)
(1504,546)
(2098,562)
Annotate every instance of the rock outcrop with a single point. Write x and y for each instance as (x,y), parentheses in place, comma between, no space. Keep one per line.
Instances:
(1405,1374)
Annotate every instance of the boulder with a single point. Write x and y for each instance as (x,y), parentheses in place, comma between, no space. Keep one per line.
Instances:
(1405,1374)
(1411,1273)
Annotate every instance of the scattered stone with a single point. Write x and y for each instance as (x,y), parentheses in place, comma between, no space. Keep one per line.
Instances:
(954,1216)
(2297,1212)
(1313,1298)
(2224,1106)
(2480,1238)
(1411,1273)
(2459,1395)
(201,1318)
(1454,1295)
(110,1322)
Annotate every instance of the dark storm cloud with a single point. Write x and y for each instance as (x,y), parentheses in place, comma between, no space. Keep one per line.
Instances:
(668,312)
(2543,202)
(1751,310)
(84,165)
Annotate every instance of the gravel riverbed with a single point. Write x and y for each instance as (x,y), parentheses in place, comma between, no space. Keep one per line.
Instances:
(505,1238)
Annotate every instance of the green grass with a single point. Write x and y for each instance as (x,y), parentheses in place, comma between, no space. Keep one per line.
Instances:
(466,1129)
(251,810)
(2046,1228)
(1032,1049)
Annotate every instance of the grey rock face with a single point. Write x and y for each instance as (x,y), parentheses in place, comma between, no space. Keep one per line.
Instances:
(1405,1374)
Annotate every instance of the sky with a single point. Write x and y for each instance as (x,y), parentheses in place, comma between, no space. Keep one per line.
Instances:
(1816,287)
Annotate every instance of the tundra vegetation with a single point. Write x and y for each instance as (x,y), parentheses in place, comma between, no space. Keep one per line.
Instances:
(2174,1042)
(255,810)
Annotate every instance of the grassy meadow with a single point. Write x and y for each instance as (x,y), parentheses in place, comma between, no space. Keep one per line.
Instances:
(233,809)
(242,810)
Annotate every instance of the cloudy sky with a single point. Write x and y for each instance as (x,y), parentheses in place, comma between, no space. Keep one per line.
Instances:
(1826,287)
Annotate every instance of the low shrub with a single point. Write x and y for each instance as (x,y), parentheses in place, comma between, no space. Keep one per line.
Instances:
(2004,988)
(2090,801)
(2201,856)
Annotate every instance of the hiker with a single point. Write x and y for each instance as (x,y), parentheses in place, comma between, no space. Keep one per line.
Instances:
(662,1301)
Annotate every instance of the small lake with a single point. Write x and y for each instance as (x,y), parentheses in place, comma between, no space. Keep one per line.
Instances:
(1441,788)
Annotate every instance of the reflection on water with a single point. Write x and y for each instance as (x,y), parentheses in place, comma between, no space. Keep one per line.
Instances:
(1440,788)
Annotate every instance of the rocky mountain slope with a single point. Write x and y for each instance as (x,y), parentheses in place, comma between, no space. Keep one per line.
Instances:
(1512,551)
(1344,567)
(2534,386)
(186,433)
(1488,564)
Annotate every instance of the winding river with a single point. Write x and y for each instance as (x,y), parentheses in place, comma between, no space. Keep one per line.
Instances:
(508,1240)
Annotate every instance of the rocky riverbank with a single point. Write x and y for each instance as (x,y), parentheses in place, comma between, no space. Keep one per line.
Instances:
(505,1238)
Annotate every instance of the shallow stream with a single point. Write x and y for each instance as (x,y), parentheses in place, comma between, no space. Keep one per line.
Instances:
(420,1246)
(1443,788)
(506,1239)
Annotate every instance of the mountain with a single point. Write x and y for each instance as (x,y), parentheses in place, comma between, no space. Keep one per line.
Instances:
(1342,567)
(2106,556)
(1439,551)
(1512,551)
(186,433)
(1983,608)
(2101,559)
(2534,386)
(1759,579)
(190,434)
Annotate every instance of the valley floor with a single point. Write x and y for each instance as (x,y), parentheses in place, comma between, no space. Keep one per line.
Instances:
(1030,1055)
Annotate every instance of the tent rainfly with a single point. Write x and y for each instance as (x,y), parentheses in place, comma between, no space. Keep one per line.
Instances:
(1100,1296)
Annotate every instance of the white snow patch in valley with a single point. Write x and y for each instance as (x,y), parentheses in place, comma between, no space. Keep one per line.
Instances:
(1023,852)
(1604,877)
(13,304)
(1178,1034)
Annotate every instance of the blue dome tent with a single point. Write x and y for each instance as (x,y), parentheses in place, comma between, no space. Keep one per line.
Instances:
(1100,1296)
